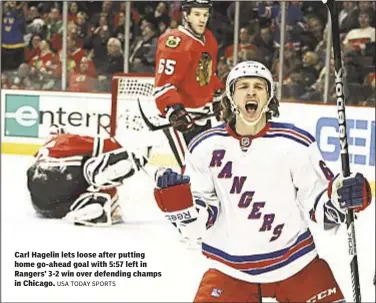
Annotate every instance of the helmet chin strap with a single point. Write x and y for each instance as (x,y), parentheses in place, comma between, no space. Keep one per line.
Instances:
(252,123)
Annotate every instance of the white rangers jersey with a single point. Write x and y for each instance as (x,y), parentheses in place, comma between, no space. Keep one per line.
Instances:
(255,190)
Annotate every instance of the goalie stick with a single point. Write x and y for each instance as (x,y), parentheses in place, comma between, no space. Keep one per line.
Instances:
(153,127)
(345,163)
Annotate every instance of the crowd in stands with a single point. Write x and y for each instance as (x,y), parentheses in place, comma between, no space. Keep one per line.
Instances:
(32,40)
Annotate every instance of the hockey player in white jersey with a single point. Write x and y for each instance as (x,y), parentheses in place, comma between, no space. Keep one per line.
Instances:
(246,187)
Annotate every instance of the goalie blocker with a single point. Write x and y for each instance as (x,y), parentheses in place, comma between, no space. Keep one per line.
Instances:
(75,177)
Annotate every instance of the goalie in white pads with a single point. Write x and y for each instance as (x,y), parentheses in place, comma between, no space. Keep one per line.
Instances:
(75,177)
(248,183)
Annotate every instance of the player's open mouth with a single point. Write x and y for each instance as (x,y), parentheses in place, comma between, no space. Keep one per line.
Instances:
(251,107)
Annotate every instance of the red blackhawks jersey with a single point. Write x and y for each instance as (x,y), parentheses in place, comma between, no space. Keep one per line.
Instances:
(71,145)
(80,82)
(185,70)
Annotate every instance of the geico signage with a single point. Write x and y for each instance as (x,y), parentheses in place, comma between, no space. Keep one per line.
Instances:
(327,135)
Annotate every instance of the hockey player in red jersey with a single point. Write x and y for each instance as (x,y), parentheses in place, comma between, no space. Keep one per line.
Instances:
(185,80)
(75,177)
(248,183)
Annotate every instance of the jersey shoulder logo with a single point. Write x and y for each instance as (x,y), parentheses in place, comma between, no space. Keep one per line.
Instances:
(173,41)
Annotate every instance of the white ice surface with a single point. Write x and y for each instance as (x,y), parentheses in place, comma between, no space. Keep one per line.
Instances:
(144,230)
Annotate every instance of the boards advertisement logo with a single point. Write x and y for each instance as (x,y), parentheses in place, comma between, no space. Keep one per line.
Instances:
(360,138)
(21,116)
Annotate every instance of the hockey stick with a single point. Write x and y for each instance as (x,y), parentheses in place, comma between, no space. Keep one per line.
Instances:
(153,127)
(339,88)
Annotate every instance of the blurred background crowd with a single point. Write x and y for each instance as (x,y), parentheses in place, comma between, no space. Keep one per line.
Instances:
(33,35)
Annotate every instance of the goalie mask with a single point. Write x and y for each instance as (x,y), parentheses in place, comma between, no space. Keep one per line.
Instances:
(252,69)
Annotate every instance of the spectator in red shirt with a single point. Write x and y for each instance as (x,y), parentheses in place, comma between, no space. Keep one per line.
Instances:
(245,43)
(33,49)
(74,55)
(44,67)
(44,57)
(82,81)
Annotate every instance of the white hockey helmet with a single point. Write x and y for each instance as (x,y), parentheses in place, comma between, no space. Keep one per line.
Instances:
(249,69)
(257,70)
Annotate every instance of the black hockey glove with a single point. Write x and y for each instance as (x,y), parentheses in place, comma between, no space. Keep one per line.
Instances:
(179,118)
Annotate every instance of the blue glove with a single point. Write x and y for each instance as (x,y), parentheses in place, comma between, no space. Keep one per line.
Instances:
(167,177)
(352,192)
(173,196)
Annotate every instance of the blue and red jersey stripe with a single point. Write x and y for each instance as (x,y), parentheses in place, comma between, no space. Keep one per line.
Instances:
(262,263)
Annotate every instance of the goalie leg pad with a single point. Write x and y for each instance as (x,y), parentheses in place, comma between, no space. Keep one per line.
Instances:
(110,169)
(95,209)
